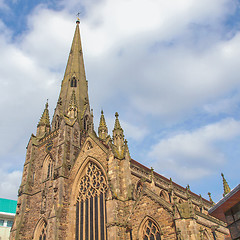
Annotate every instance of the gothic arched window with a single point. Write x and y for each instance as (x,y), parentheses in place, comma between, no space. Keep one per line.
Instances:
(150,231)
(40,232)
(57,122)
(73,82)
(91,205)
(86,123)
(47,168)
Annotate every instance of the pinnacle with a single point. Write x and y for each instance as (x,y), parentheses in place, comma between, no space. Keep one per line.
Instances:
(117,123)
(45,117)
(102,123)
(226,187)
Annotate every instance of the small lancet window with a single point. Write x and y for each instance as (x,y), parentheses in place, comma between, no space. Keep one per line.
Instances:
(49,170)
(73,82)
(86,123)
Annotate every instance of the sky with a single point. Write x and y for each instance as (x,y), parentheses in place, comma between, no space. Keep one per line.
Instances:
(170,69)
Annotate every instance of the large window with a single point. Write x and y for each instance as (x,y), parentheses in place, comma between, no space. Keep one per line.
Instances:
(150,230)
(91,206)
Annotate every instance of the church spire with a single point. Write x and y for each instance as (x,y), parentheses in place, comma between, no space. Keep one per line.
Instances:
(226,187)
(102,129)
(44,122)
(74,85)
(75,78)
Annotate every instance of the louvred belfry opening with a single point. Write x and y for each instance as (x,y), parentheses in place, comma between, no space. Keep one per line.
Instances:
(91,205)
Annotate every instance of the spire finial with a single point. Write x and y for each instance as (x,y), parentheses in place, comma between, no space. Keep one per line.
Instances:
(46,105)
(78,19)
(226,187)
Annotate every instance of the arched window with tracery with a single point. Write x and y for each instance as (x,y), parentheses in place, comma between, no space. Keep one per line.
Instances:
(91,205)
(40,232)
(150,230)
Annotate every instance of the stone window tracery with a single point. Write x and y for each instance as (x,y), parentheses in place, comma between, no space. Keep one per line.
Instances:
(90,206)
(41,230)
(150,231)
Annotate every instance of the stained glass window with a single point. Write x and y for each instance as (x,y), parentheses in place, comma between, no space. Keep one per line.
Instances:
(91,205)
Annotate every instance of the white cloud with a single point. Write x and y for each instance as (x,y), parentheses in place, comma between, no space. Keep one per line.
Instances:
(146,58)
(194,154)
(9,184)
(132,131)
(227,105)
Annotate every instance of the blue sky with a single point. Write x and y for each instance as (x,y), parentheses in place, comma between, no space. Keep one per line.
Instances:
(170,68)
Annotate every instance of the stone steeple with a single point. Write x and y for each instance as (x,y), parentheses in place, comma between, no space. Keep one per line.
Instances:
(44,123)
(75,83)
(226,187)
(102,129)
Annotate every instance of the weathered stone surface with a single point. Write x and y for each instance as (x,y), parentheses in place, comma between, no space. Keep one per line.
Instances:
(128,200)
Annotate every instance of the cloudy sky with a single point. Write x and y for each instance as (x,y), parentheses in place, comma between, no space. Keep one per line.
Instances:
(170,68)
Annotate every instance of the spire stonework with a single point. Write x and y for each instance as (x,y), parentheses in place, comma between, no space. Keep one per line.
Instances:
(75,80)
(44,123)
(72,108)
(226,187)
(102,129)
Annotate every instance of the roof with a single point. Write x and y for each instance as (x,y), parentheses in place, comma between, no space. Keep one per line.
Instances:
(8,206)
(167,180)
(225,204)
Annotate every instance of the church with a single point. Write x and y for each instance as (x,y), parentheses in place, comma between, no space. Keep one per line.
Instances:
(81,185)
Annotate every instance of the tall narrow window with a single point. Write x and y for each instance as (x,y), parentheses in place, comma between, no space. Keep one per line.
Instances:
(86,123)
(73,82)
(91,205)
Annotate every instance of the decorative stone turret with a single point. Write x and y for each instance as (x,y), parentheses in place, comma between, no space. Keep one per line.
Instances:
(118,137)
(43,126)
(226,187)
(102,129)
